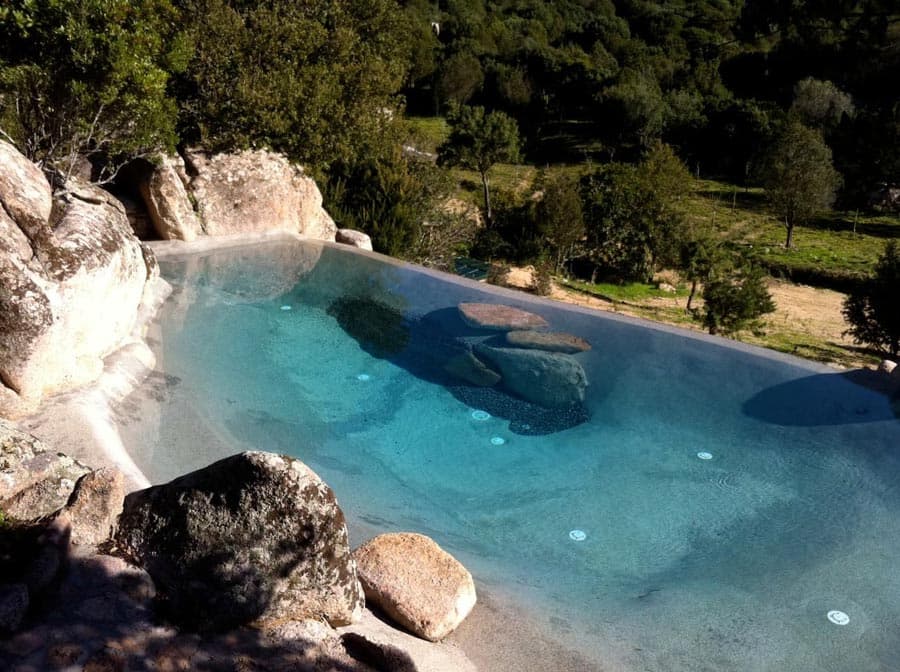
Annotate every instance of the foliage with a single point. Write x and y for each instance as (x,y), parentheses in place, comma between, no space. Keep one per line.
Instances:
(560,219)
(873,310)
(542,280)
(799,178)
(315,80)
(388,197)
(87,79)
(479,139)
(821,104)
(497,274)
(632,215)
(736,300)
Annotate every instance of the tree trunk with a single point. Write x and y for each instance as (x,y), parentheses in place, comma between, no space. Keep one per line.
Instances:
(789,243)
(488,217)
(691,295)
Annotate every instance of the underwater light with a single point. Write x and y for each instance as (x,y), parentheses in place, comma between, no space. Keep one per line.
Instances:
(498,440)
(577,535)
(481,415)
(838,617)
(703,455)
(363,377)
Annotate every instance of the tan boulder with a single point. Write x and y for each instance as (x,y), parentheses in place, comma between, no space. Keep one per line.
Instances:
(256,191)
(416,583)
(24,192)
(354,239)
(498,317)
(168,202)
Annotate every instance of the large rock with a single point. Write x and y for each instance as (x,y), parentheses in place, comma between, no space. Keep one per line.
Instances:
(548,379)
(68,295)
(498,317)
(168,202)
(550,341)
(34,481)
(94,506)
(472,370)
(354,239)
(254,537)
(416,583)
(256,191)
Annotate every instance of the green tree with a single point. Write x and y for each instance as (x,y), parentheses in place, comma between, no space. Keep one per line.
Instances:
(873,310)
(477,141)
(736,300)
(821,104)
(560,219)
(798,176)
(315,80)
(87,79)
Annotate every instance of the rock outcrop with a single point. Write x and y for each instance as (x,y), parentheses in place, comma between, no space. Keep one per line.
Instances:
(72,277)
(95,504)
(256,537)
(168,204)
(497,317)
(255,191)
(549,379)
(416,583)
(34,481)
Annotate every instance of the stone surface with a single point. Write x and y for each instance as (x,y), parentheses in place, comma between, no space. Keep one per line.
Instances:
(167,200)
(549,379)
(13,606)
(354,239)
(391,649)
(547,340)
(34,481)
(472,370)
(254,191)
(256,537)
(498,317)
(887,366)
(416,583)
(94,506)
(68,296)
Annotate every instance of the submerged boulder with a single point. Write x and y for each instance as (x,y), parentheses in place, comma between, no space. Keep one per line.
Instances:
(469,368)
(498,317)
(548,379)
(256,537)
(549,341)
(416,583)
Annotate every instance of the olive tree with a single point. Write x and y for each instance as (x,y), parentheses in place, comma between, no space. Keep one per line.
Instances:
(477,141)
(798,176)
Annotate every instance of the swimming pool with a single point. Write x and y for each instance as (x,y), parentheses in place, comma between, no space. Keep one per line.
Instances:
(707,507)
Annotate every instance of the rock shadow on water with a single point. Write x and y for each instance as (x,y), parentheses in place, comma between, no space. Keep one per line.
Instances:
(853,397)
(424,346)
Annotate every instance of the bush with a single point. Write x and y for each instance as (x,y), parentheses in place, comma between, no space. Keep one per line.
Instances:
(873,310)
(542,280)
(736,301)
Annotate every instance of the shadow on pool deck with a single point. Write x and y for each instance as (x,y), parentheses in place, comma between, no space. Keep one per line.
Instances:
(852,397)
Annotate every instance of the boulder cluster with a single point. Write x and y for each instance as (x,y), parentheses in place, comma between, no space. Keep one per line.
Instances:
(245,560)
(531,362)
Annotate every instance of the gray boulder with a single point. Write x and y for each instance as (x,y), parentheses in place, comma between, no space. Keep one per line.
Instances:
(94,506)
(548,379)
(472,370)
(256,537)
(13,606)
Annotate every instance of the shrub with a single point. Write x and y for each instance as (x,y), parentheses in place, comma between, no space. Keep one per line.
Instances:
(873,310)
(736,301)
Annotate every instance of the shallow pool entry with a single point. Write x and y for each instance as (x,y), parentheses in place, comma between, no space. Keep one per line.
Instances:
(701,566)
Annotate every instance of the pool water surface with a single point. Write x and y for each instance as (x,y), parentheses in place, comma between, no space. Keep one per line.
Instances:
(708,507)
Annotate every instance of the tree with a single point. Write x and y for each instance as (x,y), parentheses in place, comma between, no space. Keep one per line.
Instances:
(798,176)
(86,79)
(873,310)
(821,104)
(477,141)
(560,219)
(736,300)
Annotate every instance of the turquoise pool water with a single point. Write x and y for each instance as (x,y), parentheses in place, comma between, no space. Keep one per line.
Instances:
(606,523)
